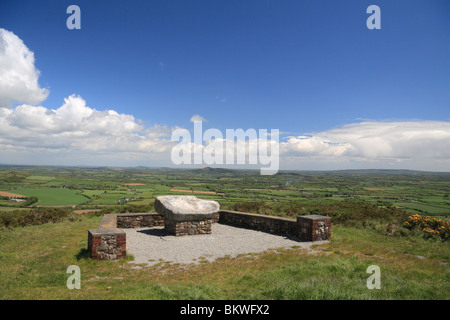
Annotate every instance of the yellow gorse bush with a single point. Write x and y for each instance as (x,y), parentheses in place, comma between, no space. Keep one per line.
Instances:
(430,226)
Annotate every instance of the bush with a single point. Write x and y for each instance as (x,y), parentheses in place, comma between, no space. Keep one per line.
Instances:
(349,213)
(22,218)
(125,209)
(30,201)
(430,228)
(136,209)
(253,207)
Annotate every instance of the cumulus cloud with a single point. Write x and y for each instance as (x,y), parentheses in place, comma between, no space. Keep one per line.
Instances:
(18,75)
(376,142)
(75,133)
(70,134)
(313,145)
(77,129)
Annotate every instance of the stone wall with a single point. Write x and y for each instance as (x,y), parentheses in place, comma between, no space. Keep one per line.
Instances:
(270,224)
(139,220)
(185,228)
(306,228)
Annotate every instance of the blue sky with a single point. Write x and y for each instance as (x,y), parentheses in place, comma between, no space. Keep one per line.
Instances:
(303,67)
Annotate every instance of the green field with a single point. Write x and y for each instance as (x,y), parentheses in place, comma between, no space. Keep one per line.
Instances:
(53,196)
(38,179)
(424,208)
(415,192)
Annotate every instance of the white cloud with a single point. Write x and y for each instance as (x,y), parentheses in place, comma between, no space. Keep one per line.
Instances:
(417,144)
(78,134)
(313,145)
(75,133)
(18,75)
(196,118)
(80,131)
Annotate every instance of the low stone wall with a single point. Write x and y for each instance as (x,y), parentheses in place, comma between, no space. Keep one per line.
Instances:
(270,224)
(306,228)
(139,220)
(185,228)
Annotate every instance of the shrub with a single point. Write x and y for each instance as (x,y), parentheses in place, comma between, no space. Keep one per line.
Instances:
(429,227)
(254,207)
(30,201)
(350,213)
(125,209)
(22,218)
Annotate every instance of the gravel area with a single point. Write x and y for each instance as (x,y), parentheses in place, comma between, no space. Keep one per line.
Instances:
(153,245)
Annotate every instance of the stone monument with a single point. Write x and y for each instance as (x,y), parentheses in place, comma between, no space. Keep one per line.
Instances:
(186,215)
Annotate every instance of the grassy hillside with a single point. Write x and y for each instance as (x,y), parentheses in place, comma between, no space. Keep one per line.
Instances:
(34,260)
(397,220)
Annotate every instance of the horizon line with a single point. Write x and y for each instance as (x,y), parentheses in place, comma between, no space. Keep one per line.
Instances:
(208,167)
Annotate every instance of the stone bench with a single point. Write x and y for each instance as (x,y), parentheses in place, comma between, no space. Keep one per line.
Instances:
(186,215)
(305,228)
(107,242)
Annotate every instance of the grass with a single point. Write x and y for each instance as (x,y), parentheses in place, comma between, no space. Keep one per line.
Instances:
(366,230)
(34,260)
(53,196)
(12,208)
(38,179)
(425,208)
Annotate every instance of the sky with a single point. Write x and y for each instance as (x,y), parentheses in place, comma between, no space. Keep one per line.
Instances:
(342,96)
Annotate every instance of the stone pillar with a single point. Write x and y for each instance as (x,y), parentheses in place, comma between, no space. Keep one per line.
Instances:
(314,227)
(107,244)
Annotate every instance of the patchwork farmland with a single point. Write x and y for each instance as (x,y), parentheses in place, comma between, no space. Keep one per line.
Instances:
(97,188)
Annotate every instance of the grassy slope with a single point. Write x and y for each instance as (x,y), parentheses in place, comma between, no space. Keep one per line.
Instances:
(34,259)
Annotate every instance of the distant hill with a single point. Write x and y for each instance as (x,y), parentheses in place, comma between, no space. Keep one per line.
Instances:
(215,170)
(10,167)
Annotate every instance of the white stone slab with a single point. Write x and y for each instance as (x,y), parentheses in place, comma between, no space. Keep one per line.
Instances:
(185,208)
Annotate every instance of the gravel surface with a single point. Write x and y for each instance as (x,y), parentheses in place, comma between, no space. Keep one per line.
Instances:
(153,245)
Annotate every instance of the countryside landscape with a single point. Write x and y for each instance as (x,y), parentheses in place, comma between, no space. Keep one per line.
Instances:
(396,219)
(315,136)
